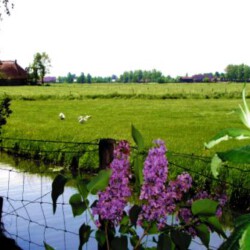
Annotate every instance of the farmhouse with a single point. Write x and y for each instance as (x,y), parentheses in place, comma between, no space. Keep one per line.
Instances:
(197,78)
(12,74)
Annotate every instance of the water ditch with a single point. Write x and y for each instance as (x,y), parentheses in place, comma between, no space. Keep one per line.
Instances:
(28,217)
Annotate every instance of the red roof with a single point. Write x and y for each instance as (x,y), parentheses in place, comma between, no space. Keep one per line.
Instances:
(12,71)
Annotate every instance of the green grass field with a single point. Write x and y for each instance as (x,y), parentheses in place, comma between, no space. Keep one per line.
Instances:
(115,90)
(185,124)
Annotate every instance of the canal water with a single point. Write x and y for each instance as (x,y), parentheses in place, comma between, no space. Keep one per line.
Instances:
(28,215)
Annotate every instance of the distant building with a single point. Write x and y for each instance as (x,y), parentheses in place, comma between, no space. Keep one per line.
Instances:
(12,74)
(186,79)
(49,79)
(198,78)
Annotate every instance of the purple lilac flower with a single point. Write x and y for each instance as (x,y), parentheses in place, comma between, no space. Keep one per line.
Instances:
(159,200)
(153,190)
(181,185)
(185,214)
(113,200)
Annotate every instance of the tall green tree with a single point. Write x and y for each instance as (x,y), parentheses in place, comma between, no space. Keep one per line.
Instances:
(89,78)
(70,78)
(40,67)
(81,78)
(231,72)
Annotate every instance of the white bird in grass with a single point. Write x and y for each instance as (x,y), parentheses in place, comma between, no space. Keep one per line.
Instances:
(62,116)
(83,119)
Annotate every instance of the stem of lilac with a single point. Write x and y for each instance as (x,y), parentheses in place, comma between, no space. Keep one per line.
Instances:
(143,235)
(106,235)
(91,215)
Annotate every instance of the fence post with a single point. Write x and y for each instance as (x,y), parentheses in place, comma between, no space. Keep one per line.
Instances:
(106,152)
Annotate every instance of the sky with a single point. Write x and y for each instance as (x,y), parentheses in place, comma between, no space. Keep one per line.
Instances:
(105,37)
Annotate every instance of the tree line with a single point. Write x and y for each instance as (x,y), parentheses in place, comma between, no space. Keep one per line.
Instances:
(238,73)
(233,73)
(137,76)
(41,64)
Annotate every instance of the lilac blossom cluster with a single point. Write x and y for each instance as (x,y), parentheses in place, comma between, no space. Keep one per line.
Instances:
(158,199)
(113,199)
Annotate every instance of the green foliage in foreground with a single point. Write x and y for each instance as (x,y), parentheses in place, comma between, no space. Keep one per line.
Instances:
(176,235)
(239,239)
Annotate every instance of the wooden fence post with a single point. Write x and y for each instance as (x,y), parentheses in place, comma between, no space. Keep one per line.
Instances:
(106,152)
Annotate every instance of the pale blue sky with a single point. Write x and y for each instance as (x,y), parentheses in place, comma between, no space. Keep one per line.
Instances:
(112,36)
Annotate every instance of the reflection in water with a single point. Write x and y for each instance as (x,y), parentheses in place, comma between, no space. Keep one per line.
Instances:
(28,216)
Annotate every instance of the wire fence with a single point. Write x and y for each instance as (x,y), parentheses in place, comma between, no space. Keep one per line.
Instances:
(27,211)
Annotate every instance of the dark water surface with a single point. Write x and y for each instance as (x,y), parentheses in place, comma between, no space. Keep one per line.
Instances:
(28,216)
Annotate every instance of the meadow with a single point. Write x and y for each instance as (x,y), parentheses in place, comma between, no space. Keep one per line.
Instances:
(184,123)
(125,91)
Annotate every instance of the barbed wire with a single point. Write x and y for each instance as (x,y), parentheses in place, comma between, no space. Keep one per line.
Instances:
(209,176)
(94,142)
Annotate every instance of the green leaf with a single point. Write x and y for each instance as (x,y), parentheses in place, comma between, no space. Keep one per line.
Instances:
(82,188)
(236,238)
(57,189)
(84,233)
(134,240)
(238,155)
(203,233)
(124,229)
(77,205)
(47,246)
(242,221)
(100,237)
(216,164)
(245,239)
(119,243)
(134,213)
(153,229)
(232,243)
(245,114)
(227,134)
(181,240)
(165,243)
(150,227)
(99,182)
(138,170)
(204,207)
(137,137)
(125,220)
(214,224)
